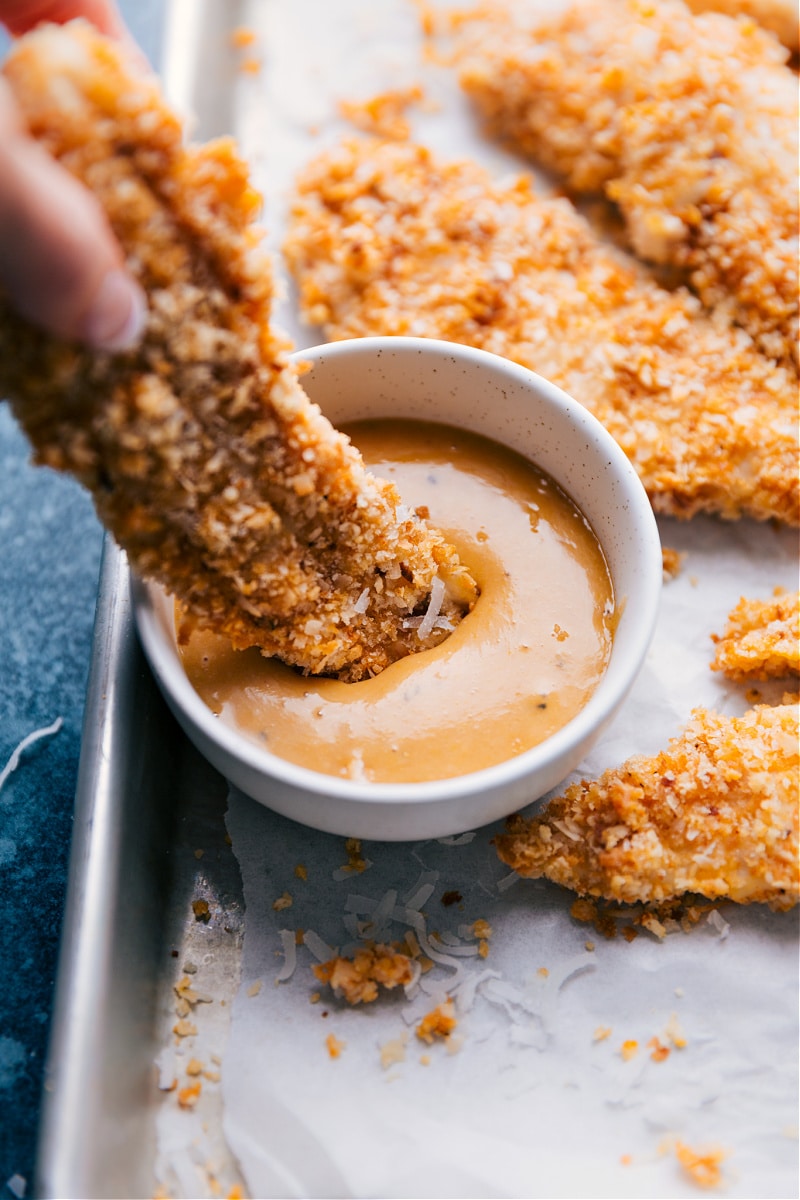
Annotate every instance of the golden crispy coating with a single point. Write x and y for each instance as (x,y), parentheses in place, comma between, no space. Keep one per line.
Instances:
(778,16)
(358,979)
(761,639)
(689,123)
(715,814)
(384,239)
(205,457)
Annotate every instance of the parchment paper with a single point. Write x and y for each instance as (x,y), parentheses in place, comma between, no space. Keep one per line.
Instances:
(539,1098)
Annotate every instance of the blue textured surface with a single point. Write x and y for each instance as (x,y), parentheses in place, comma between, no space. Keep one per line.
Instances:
(50,543)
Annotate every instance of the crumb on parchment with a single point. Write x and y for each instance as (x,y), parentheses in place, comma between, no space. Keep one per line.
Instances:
(384,115)
(703,1167)
(334,1046)
(439,1023)
(671,561)
(358,980)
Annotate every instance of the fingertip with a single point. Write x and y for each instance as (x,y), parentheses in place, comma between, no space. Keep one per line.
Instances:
(116,315)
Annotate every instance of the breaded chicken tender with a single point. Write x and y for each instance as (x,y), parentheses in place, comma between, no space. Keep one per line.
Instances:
(715,814)
(204,456)
(761,639)
(688,122)
(386,239)
(778,16)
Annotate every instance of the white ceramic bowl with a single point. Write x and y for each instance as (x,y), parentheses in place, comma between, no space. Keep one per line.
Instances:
(456,385)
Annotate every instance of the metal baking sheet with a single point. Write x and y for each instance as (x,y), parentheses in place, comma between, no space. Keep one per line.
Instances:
(150,841)
(145,804)
(146,807)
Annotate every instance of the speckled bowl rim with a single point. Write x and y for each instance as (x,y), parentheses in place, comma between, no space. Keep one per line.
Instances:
(541,767)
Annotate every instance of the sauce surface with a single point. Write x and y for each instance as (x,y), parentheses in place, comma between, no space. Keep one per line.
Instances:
(515,670)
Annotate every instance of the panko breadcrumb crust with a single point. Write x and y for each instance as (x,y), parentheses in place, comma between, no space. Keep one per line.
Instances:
(688,122)
(715,814)
(357,980)
(386,239)
(761,639)
(780,17)
(204,456)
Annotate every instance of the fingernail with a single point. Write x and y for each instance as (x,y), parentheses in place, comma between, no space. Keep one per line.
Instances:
(115,320)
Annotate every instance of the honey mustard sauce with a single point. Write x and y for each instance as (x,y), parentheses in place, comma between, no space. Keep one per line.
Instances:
(515,670)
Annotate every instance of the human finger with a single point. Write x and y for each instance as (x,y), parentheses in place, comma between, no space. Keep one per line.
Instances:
(60,263)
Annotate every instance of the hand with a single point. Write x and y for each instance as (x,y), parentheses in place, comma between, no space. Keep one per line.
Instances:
(60,263)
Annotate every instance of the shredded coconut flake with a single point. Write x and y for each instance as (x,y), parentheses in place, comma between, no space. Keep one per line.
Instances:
(362,603)
(428,622)
(508,881)
(719,923)
(460,839)
(426,879)
(321,950)
(37,734)
(289,945)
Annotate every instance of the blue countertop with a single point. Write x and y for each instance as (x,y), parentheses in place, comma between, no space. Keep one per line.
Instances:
(50,545)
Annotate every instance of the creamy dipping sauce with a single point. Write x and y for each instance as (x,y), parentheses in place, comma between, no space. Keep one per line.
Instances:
(516,669)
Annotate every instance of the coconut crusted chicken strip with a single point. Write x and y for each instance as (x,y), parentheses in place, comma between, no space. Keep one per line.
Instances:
(715,814)
(688,122)
(761,640)
(778,16)
(384,239)
(205,457)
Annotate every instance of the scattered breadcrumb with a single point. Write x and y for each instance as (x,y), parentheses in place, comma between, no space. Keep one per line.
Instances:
(194,1067)
(394,1051)
(301,872)
(658,1051)
(204,456)
(386,239)
(761,640)
(242,37)
(671,561)
(629,1049)
(250,65)
(356,863)
(184,1028)
(335,1045)
(715,814)
(201,911)
(358,979)
(438,1023)
(675,1034)
(687,122)
(384,115)
(602,1033)
(283,902)
(703,1168)
(189,1096)
(255,987)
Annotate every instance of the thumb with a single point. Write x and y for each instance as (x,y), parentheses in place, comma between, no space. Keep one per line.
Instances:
(60,264)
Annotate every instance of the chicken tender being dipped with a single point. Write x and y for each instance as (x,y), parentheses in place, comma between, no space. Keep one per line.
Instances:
(688,122)
(205,457)
(386,239)
(714,814)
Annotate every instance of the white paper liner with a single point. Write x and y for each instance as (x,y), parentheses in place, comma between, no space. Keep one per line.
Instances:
(532,1104)
(536,1102)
